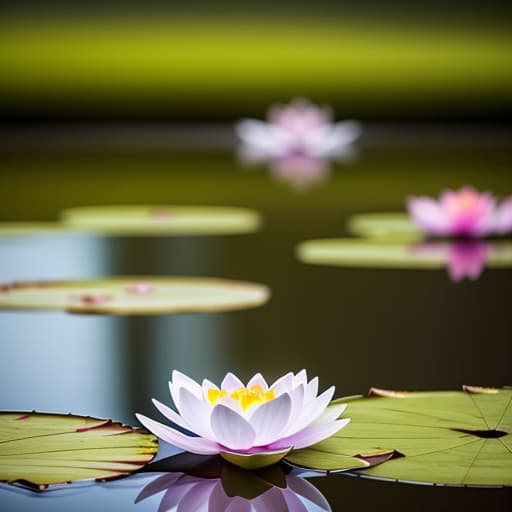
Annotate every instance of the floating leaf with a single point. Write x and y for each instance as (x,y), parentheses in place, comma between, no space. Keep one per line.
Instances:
(20,229)
(351,252)
(162,220)
(40,449)
(134,295)
(438,437)
(384,225)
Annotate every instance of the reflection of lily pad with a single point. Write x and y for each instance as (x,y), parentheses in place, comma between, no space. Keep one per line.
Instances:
(135,295)
(384,225)
(43,449)
(443,437)
(352,252)
(162,220)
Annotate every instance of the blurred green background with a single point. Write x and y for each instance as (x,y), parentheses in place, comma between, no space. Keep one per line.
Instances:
(201,62)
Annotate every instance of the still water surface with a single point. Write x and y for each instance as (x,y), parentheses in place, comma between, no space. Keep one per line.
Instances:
(354,328)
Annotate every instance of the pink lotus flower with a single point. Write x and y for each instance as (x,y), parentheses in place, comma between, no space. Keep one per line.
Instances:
(251,425)
(184,492)
(462,213)
(298,140)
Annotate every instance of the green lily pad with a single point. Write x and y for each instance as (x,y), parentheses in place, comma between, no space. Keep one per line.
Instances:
(439,437)
(352,252)
(162,220)
(38,449)
(20,229)
(134,295)
(395,225)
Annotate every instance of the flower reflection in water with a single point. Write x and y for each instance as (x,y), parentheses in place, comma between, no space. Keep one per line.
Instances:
(464,258)
(209,484)
(298,141)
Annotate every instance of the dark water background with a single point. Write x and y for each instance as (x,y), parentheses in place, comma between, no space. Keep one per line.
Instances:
(354,328)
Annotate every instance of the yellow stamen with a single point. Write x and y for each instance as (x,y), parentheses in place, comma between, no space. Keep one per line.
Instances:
(214,395)
(245,396)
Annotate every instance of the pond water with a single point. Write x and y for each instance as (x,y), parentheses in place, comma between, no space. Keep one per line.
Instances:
(410,329)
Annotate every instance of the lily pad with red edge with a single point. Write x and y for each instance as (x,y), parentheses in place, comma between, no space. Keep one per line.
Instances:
(134,295)
(41,449)
(162,220)
(459,438)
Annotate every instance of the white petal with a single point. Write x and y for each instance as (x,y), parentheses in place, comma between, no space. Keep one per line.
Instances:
(172,415)
(293,502)
(238,504)
(333,412)
(328,140)
(196,413)
(312,410)
(231,382)
(284,383)
(230,429)
(265,137)
(427,215)
(157,485)
(300,378)
(169,435)
(272,500)
(312,435)
(258,380)
(311,390)
(297,398)
(196,500)
(206,385)
(269,420)
(219,501)
(232,404)
(302,487)
(180,380)
(174,495)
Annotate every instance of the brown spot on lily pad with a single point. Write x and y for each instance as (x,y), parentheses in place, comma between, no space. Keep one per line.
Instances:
(479,390)
(387,392)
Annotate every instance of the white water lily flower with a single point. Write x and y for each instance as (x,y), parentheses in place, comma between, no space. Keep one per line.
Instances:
(251,425)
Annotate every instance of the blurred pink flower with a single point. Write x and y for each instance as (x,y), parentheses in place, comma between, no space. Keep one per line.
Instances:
(189,493)
(245,420)
(298,140)
(298,128)
(465,213)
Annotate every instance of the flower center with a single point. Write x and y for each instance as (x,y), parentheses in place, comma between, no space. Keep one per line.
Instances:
(245,396)
(465,202)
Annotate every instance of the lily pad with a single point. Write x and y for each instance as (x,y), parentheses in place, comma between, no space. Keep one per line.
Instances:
(351,252)
(439,437)
(134,295)
(162,220)
(20,229)
(396,225)
(38,449)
